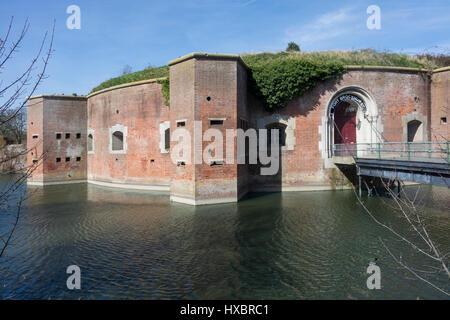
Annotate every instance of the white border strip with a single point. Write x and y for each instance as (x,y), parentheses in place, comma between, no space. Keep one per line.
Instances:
(52,183)
(130,186)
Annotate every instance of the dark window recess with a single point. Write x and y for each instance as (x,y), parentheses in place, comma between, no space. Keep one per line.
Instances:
(181,163)
(58,136)
(78,135)
(67,159)
(216,163)
(443,120)
(67,135)
(117,141)
(58,159)
(152,160)
(78,159)
(90,142)
(181,124)
(35,136)
(216,122)
(35,160)
(208,98)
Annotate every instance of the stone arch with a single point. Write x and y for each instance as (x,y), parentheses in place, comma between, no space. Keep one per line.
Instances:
(90,141)
(415,127)
(118,139)
(368,123)
(164,137)
(287,121)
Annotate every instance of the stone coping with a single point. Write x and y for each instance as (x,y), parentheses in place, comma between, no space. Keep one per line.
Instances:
(441,69)
(230,57)
(58,96)
(125,85)
(384,68)
(199,55)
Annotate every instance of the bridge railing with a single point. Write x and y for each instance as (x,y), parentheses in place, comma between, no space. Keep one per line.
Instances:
(420,151)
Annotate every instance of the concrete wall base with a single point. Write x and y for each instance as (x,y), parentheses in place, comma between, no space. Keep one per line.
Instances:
(201,202)
(299,188)
(52,183)
(131,186)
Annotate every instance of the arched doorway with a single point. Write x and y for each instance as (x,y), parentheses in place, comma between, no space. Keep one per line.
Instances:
(415,131)
(345,123)
(352,118)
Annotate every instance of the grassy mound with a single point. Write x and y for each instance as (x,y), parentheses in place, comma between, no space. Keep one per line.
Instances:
(146,74)
(278,77)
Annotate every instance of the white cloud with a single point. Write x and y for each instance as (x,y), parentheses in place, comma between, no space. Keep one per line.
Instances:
(325,27)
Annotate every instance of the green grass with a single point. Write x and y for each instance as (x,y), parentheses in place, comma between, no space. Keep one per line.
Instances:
(366,57)
(146,74)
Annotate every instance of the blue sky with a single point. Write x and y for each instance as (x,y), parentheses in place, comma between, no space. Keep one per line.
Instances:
(141,33)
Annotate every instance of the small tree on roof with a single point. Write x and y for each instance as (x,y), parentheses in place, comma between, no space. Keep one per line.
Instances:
(292,46)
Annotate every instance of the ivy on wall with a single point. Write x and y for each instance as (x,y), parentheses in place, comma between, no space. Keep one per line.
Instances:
(279,81)
(277,78)
(165,90)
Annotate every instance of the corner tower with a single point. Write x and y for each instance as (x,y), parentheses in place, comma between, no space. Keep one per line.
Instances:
(56,138)
(207,91)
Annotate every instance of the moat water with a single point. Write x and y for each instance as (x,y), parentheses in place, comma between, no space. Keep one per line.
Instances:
(138,245)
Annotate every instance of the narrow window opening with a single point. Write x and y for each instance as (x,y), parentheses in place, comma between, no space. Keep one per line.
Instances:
(35,160)
(181,124)
(58,136)
(90,143)
(167,139)
(78,135)
(35,136)
(117,141)
(181,163)
(78,159)
(216,122)
(443,120)
(58,159)
(67,135)
(67,159)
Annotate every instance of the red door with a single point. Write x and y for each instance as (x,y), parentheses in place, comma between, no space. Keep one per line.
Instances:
(345,127)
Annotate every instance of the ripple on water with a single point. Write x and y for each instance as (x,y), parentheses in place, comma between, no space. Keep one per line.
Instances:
(139,245)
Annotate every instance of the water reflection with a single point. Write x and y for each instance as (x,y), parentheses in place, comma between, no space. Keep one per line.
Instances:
(132,244)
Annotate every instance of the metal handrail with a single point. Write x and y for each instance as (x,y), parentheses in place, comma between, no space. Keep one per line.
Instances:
(409,150)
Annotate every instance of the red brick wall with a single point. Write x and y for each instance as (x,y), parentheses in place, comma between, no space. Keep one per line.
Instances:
(213,95)
(35,127)
(395,93)
(141,109)
(58,114)
(440,106)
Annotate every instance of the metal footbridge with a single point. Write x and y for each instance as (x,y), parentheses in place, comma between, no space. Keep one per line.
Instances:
(421,162)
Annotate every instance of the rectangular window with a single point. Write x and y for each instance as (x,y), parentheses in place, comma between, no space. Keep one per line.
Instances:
(181,163)
(58,136)
(35,160)
(35,136)
(443,120)
(216,122)
(67,135)
(67,159)
(58,159)
(216,163)
(78,135)
(181,124)
(78,159)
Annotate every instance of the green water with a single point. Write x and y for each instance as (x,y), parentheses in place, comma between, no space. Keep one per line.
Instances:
(138,245)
